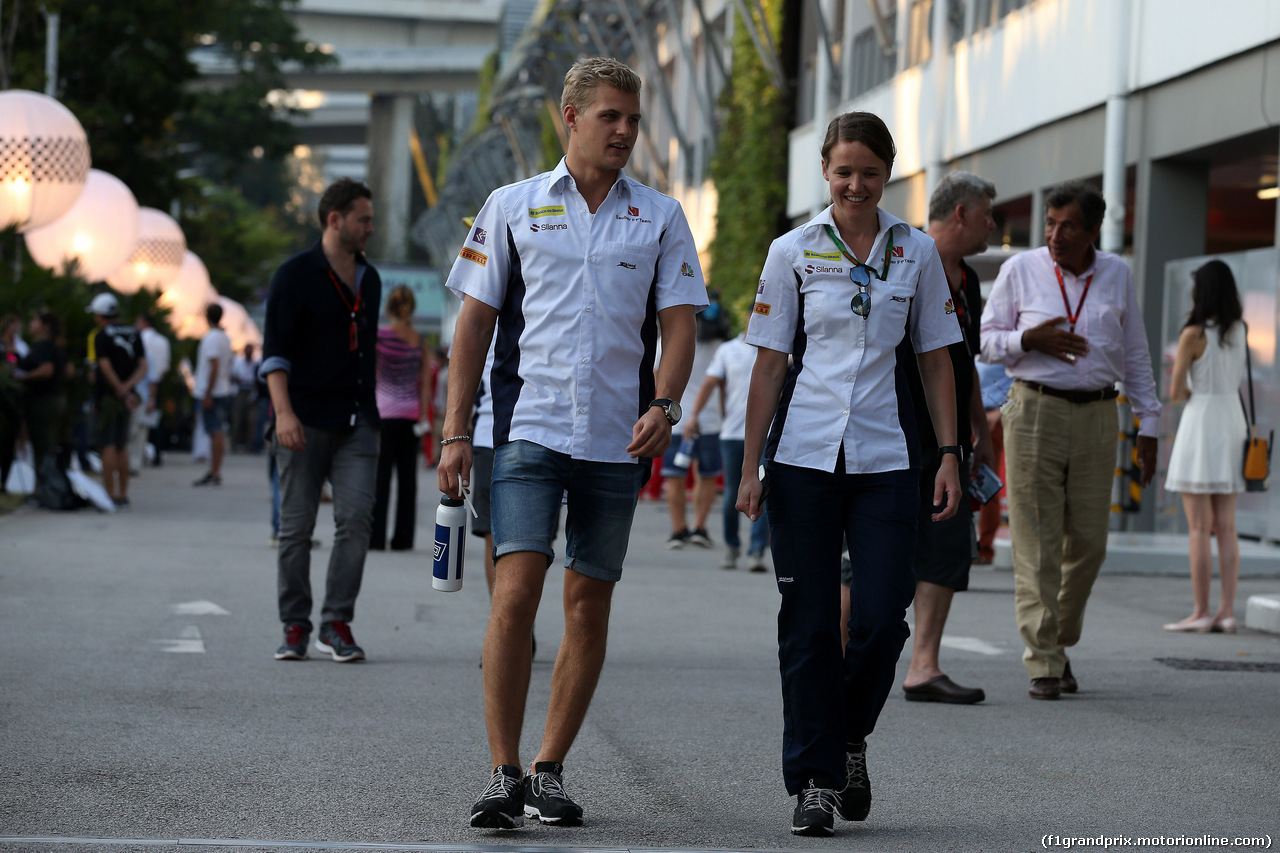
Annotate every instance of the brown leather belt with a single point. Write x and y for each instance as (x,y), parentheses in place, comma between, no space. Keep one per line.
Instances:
(1074,396)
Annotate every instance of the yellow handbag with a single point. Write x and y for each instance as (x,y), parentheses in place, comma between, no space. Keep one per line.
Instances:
(1257,451)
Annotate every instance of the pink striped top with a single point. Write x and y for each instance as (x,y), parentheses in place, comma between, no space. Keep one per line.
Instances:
(399,374)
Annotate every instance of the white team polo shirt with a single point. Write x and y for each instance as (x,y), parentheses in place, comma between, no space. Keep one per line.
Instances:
(843,384)
(578,297)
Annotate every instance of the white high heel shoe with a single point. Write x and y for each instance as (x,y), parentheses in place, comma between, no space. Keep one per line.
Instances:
(1195,626)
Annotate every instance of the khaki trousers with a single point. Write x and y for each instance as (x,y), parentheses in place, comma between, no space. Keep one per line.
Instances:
(1060,459)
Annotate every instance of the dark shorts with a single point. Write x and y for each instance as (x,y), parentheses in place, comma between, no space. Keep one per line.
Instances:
(481,481)
(214,418)
(945,549)
(111,423)
(706,452)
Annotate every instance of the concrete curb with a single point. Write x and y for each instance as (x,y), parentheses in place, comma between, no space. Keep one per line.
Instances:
(1262,613)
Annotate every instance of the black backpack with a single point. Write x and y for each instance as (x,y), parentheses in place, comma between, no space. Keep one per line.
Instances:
(53,489)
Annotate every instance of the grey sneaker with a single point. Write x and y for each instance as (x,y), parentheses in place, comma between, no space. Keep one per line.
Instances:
(501,804)
(335,639)
(295,643)
(730,560)
(755,562)
(545,799)
(853,802)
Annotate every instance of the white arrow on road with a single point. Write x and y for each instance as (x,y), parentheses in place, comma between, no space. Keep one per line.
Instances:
(971,644)
(190,642)
(199,608)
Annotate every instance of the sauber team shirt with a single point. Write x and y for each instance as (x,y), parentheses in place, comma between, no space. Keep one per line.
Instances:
(578,296)
(843,386)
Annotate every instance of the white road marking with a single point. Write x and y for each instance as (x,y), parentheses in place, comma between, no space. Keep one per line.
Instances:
(242,842)
(199,608)
(971,644)
(189,642)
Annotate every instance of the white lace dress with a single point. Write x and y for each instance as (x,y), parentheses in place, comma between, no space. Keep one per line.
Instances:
(1208,451)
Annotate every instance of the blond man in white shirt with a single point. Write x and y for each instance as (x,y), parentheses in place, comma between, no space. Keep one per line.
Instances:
(577,269)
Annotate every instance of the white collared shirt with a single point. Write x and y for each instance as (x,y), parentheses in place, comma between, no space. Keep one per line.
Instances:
(1026,293)
(578,297)
(842,387)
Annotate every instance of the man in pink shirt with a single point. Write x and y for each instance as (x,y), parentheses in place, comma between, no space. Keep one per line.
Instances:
(1065,321)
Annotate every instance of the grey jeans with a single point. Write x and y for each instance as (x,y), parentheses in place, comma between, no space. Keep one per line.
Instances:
(348,459)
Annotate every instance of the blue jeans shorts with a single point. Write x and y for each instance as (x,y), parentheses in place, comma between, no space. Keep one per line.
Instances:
(214,418)
(706,452)
(528,484)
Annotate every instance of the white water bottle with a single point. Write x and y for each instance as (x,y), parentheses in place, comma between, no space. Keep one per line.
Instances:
(451,535)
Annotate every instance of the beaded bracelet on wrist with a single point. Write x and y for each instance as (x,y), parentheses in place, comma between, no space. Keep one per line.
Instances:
(465,438)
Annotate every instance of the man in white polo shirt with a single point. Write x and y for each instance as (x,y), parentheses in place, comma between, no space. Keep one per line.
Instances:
(580,270)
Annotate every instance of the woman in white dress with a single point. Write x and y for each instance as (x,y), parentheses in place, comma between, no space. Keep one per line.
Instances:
(1206,465)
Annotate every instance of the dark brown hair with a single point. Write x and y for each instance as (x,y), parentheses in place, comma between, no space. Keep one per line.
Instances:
(1214,298)
(866,128)
(339,196)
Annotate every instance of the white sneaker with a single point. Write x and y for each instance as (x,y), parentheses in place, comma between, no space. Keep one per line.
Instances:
(755,562)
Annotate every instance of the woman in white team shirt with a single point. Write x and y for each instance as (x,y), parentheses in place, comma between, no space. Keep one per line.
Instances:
(837,296)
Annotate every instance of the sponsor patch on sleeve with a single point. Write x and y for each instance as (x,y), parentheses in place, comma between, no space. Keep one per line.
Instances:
(472,255)
(761,308)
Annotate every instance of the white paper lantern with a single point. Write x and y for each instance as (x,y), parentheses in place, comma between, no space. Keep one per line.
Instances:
(187,297)
(44,159)
(157,257)
(238,325)
(97,233)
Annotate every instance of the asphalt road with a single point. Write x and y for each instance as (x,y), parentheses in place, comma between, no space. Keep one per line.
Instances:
(135,715)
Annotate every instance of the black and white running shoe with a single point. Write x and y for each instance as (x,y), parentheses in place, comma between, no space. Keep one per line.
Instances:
(854,802)
(545,799)
(501,806)
(815,811)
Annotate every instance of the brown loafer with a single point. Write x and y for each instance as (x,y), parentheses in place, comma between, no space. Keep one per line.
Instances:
(943,689)
(1068,681)
(1045,688)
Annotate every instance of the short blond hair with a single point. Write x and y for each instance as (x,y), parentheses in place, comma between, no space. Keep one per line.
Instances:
(582,80)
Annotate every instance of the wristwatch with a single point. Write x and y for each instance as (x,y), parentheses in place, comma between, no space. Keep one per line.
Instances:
(670,408)
(952,448)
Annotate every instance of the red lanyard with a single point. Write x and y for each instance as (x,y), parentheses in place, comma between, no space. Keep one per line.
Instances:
(1079,305)
(342,293)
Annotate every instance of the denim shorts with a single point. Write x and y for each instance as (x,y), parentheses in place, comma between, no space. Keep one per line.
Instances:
(706,452)
(214,418)
(528,484)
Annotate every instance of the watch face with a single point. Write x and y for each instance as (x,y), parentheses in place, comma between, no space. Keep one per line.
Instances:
(673,412)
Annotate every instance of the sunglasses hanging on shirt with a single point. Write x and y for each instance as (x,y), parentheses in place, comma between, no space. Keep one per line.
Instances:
(861,274)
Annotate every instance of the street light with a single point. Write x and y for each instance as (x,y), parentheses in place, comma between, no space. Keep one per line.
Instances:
(156,258)
(44,159)
(187,297)
(95,236)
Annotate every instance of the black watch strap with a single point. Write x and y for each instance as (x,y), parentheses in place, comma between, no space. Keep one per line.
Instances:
(952,448)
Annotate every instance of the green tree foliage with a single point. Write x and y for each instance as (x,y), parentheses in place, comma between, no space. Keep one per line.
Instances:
(749,170)
(240,244)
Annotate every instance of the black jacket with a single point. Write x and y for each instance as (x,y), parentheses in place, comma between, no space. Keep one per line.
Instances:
(308,325)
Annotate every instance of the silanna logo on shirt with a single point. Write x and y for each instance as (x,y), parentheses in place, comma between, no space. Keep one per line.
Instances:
(633,215)
(810,269)
(547,226)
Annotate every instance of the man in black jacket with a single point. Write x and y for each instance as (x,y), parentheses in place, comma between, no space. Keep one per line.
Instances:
(319,364)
